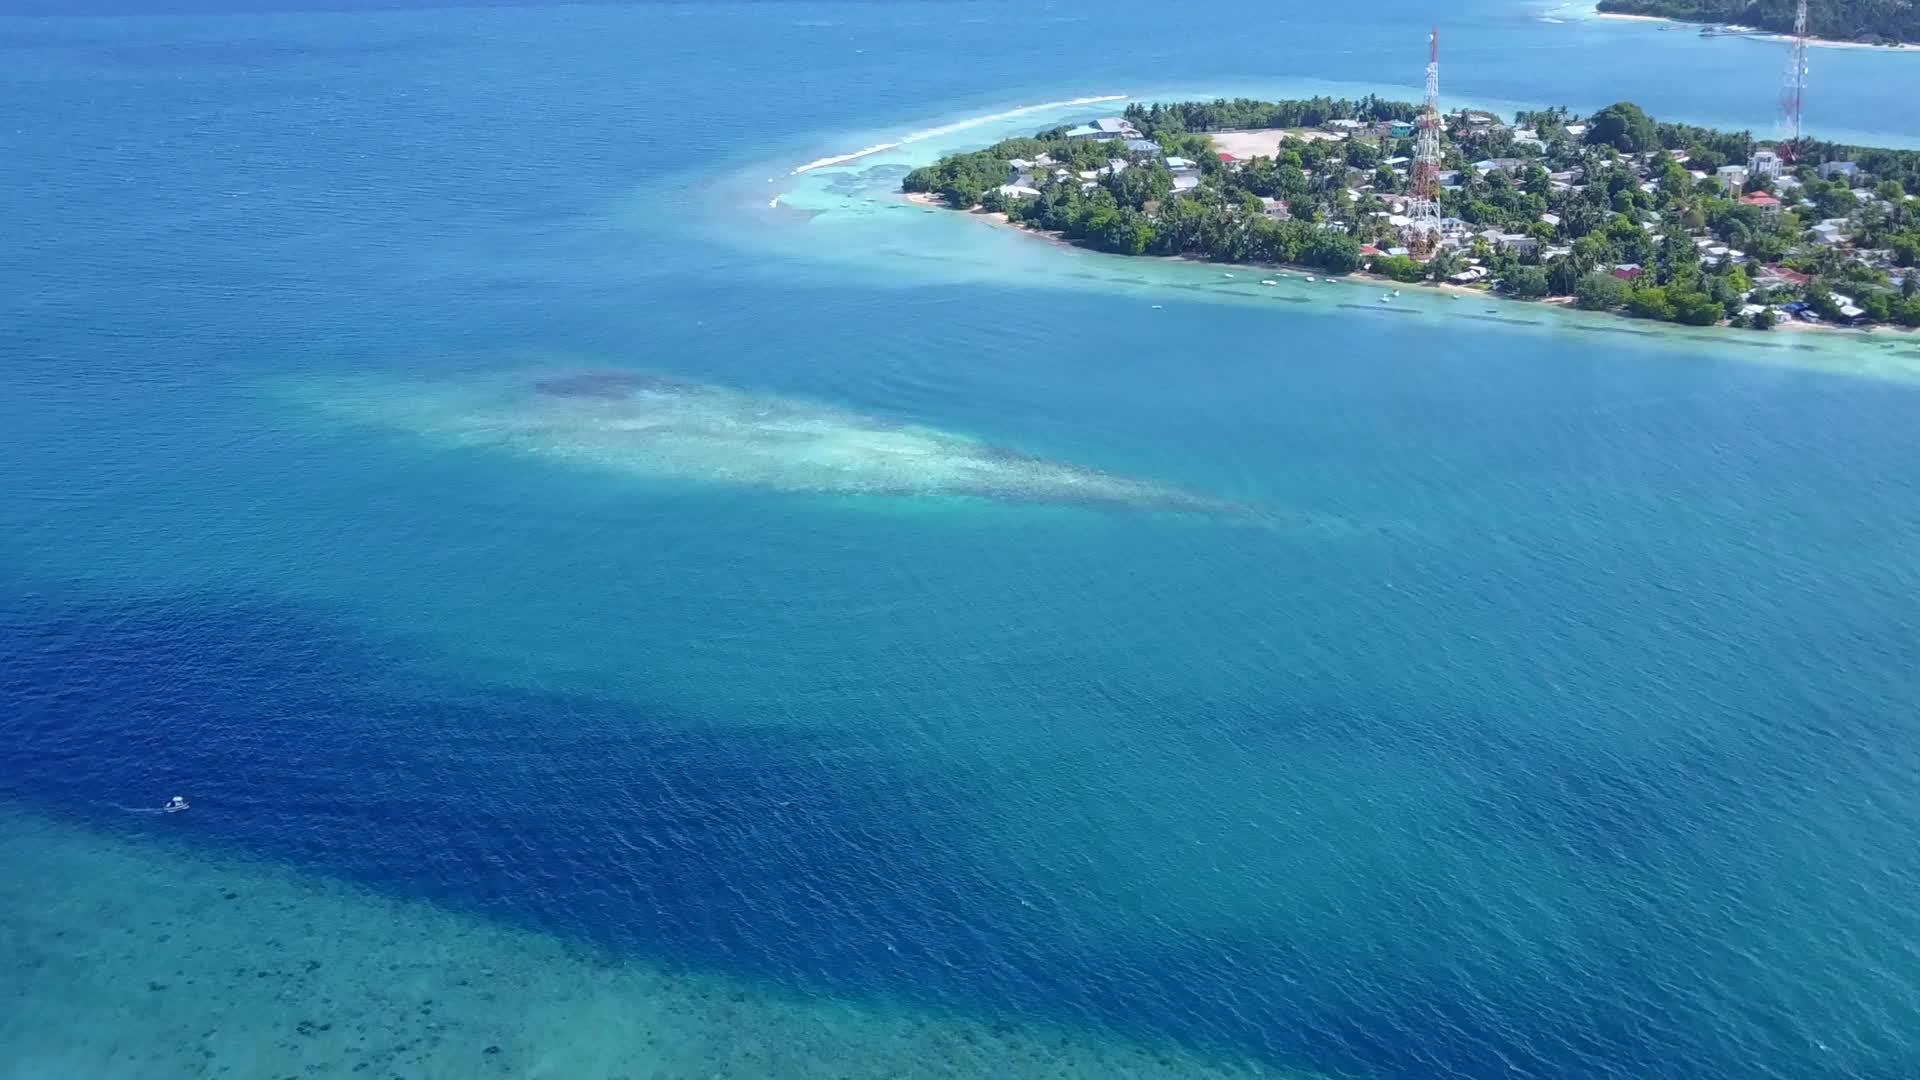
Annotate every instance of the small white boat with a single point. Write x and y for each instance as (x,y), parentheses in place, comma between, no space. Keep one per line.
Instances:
(1156,307)
(1269,281)
(1226,275)
(1385,299)
(1396,292)
(1309,277)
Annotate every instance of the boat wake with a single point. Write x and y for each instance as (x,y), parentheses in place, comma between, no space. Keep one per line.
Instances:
(948,129)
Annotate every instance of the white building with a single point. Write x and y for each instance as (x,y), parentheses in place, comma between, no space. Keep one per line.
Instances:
(1764,163)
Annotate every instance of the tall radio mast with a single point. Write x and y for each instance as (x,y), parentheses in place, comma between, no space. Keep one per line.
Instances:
(1794,93)
(1424,210)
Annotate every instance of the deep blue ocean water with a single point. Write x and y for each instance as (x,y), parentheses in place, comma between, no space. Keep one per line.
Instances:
(1553,717)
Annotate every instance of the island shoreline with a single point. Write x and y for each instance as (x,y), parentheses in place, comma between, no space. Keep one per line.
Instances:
(1562,303)
(1758,33)
(1257,216)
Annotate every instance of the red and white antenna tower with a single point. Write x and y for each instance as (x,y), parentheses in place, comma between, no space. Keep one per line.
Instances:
(1424,210)
(1794,93)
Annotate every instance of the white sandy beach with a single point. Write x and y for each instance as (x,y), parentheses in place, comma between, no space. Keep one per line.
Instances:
(1755,33)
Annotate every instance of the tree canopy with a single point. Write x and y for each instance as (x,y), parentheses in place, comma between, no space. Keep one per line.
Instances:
(1224,114)
(1624,127)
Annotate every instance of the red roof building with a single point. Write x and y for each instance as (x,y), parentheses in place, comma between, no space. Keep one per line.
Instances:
(1791,277)
(1226,157)
(1761,199)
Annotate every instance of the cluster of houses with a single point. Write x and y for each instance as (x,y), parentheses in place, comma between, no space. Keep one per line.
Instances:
(1390,129)
(1833,232)
(1024,182)
(1028,175)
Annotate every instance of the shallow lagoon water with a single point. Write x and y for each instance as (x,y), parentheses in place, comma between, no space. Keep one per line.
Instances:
(217,968)
(1585,751)
(630,421)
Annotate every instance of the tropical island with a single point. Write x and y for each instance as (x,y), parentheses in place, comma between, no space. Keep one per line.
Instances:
(1613,211)
(1885,22)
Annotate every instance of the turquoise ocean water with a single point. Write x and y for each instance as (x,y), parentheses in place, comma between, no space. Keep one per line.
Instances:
(916,649)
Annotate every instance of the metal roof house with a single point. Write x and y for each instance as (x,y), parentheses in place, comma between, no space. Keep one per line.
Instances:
(1107,127)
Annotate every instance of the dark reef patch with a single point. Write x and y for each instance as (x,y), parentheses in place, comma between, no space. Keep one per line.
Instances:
(605,385)
(608,385)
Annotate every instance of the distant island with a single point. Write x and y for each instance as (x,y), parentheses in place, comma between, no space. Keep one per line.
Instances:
(1878,21)
(1613,211)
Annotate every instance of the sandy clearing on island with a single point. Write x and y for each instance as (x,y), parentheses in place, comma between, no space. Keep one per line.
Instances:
(1264,142)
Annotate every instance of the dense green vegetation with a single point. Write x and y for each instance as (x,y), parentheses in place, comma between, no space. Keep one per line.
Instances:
(1623,213)
(1243,113)
(1837,20)
(1132,211)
